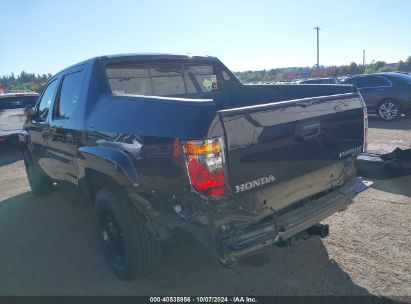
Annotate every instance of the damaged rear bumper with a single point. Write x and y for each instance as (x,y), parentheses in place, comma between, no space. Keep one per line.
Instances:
(286,225)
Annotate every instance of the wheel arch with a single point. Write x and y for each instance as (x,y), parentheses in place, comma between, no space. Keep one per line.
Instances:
(102,166)
(107,167)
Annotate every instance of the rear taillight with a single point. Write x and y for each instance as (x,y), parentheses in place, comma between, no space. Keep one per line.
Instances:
(205,166)
(365,142)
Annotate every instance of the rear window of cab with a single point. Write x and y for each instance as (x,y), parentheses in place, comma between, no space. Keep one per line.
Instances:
(161,79)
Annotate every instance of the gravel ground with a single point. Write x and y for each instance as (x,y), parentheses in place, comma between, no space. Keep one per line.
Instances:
(385,137)
(49,246)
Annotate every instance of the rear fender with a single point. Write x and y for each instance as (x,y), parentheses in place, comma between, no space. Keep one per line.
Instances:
(119,166)
(109,161)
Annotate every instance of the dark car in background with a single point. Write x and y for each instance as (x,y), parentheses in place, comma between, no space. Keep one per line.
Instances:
(12,116)
(386,94)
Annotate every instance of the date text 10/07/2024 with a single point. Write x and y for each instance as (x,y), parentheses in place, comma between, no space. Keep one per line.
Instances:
(203,300)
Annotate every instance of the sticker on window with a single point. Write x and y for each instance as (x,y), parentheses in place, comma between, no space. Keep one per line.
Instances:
(207,84)
(210,84)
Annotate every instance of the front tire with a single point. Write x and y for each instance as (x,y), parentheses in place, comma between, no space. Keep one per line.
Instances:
(389,110)
(39,182)
(129,247)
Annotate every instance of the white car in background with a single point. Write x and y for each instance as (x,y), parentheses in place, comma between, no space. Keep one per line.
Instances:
(12,117)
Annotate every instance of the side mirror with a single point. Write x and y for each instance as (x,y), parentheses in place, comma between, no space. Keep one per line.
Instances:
(29,112)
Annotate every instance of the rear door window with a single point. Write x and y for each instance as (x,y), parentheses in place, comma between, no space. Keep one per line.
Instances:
(69,95)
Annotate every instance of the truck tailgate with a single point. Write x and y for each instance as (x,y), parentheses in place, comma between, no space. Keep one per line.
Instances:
(271,143)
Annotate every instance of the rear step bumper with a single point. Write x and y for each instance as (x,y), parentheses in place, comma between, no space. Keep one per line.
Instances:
(302,220)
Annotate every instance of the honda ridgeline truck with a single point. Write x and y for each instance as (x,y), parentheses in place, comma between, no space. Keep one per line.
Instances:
(161,143)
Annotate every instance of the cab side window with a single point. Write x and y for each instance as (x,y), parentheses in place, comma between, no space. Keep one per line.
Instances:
(69,95)
(46,100)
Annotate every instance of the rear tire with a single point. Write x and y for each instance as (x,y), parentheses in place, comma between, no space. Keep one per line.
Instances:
(129,247)
(388,110)
(39,183)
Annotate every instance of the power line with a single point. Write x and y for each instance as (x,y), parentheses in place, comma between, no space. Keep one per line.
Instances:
(363,29)
(348,18)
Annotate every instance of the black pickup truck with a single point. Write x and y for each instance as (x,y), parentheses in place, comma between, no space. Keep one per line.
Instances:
(161,143)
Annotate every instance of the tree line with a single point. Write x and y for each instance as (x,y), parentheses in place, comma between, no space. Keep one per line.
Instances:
(24,81)
(291,73)
(33,82)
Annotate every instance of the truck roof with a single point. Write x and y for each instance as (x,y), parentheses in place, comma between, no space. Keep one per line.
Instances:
(156,56)
(141,56)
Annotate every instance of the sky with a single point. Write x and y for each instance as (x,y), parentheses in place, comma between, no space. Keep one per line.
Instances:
(44,36)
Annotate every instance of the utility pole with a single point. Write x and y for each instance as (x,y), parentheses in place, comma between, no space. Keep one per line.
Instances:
(318,46)
(363,61)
